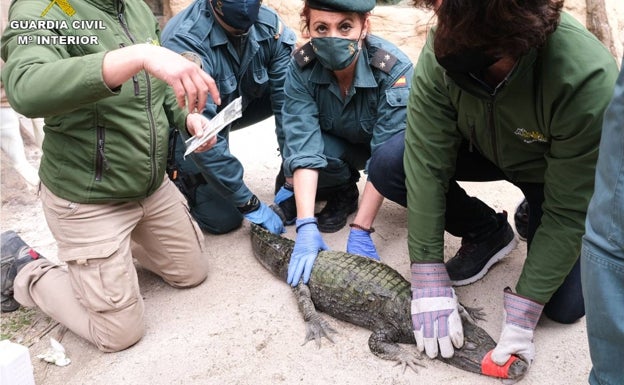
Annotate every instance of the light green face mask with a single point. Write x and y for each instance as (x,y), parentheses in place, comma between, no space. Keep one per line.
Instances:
(335,53)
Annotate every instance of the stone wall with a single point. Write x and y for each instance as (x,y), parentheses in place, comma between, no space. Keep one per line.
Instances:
(402,24)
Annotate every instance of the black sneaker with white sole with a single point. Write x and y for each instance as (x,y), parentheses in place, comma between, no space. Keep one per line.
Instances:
(473,260)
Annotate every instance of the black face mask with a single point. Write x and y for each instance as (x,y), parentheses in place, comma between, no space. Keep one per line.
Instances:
(468,61)
(238,14)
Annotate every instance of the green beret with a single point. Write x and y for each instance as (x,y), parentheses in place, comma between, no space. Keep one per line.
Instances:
(342,5)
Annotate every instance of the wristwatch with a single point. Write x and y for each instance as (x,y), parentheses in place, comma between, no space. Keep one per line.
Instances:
(251,205)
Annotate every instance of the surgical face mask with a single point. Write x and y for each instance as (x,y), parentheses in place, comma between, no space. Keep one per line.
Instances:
(238,14)
(468,61)
(335,53)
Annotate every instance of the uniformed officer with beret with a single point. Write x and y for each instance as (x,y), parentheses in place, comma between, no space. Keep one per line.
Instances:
(345,96)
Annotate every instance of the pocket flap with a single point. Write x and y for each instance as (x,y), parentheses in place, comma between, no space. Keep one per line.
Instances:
(78,253)
(397,96)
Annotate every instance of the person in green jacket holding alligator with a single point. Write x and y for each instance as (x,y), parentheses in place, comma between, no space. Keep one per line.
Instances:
(107,107)
(510,91)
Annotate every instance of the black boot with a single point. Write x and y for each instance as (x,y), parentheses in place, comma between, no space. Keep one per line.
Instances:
(286,210)
(334,215)
(14,255)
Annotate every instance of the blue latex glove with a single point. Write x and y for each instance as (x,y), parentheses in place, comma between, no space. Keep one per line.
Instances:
(285,192)
(266,218)
(360,243)
(307,245)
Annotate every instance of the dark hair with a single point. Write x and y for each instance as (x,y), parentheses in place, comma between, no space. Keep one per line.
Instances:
(305,18)
(498,27)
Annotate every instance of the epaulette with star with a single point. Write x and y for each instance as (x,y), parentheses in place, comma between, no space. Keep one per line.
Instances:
(304,55)
(383,60)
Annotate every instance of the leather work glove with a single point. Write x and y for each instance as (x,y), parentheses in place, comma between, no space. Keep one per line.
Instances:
(285,192)
(360,242)
(266,218)
(521,316)
(307,245)
(435,311)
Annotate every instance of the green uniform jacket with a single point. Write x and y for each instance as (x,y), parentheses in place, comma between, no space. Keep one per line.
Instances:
(100,145)
(541,125)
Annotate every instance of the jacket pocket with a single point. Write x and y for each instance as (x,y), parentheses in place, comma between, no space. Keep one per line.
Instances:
(261,80)
(227,85)
(397,97)
(101,164)
(367,126)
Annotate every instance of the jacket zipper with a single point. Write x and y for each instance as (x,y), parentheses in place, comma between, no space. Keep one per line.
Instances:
(490,117)
(101,163)
(135,79)
(150,114)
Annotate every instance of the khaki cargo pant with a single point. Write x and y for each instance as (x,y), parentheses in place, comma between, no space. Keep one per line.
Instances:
(97,296)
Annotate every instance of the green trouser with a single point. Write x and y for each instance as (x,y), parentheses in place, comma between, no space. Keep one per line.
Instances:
(208,199)
(212,211)
(217,215)
(344,159)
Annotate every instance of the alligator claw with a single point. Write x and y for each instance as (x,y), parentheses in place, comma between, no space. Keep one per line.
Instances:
(471,314)
(316,329)
(408,358)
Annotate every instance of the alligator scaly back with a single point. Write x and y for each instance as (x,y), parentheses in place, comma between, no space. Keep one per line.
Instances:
(370,294)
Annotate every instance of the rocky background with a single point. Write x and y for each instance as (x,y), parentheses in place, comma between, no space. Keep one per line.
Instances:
(407,26)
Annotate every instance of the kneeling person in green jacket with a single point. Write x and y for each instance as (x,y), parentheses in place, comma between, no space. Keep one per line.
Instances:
(517,95)
(104,191)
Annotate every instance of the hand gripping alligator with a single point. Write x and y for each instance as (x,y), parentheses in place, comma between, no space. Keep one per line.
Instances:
(370,294)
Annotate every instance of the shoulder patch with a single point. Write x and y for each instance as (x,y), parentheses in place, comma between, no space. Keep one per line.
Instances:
(400,82)
(271,20)
(192,56)
(383,60)
(304,55)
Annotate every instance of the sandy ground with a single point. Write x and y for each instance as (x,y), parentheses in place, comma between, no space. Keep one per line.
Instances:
(242,325)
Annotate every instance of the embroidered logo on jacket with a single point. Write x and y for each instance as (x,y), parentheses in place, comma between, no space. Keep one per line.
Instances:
(63,4)
(530,136)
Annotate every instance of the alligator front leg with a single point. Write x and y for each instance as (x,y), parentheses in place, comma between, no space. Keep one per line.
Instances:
(316,326)
(471,314)
(380,343)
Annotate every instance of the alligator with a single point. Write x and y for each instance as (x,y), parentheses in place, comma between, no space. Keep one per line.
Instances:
(372,295)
